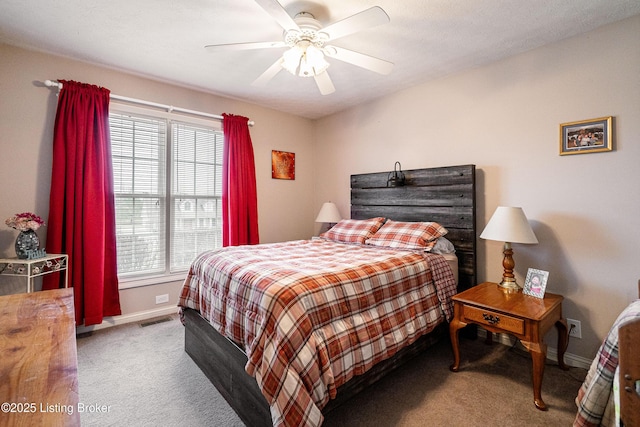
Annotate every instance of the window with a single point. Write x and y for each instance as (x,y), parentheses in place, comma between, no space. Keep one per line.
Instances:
(196,193)
(168,190)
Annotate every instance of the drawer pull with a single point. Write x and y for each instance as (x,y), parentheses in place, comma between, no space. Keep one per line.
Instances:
(490,318)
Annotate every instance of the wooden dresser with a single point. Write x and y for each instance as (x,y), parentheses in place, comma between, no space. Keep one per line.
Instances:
(38,359)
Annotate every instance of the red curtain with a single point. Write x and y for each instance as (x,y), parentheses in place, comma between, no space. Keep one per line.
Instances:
(81,205)
(239,195)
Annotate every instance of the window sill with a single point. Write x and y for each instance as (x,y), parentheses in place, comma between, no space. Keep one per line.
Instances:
(149,281)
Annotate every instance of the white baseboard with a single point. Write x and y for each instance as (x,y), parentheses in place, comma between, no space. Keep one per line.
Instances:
(552,353)
(108,322)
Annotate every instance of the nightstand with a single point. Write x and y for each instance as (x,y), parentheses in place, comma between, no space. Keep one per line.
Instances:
(32,268)
(525,317)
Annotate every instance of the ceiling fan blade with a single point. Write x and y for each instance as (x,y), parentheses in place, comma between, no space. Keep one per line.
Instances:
(271,72)
(243,46)
(360,21)
(277,12)
(324,83)
(359,59)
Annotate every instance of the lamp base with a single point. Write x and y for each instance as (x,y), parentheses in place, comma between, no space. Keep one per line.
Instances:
(509,285)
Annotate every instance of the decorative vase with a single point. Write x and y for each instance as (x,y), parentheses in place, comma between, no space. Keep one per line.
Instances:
(25,242)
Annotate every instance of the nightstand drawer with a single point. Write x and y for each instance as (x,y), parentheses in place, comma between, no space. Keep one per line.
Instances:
(491,318)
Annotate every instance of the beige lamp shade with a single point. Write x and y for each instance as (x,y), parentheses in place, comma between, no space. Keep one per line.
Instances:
(329,213)
(509,224)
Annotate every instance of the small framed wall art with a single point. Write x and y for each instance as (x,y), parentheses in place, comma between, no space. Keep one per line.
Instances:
(586,136)
(283,165)
(535,283)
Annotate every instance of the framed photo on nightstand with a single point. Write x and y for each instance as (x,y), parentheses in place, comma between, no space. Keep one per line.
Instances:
(535,283)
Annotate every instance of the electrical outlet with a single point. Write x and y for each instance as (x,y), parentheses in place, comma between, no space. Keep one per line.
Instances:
(575,329)
(160,299)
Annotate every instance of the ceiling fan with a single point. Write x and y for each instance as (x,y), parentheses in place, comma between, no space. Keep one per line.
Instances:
(308,40)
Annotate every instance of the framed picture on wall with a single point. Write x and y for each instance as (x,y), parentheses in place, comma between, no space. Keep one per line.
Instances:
(283,165)
(586,136)
(535,283)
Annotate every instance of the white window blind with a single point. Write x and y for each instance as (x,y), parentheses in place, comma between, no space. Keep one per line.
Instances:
(156,160)
(196,193)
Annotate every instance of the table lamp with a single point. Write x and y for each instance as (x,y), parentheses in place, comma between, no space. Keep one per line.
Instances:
(509,225)
(329,213)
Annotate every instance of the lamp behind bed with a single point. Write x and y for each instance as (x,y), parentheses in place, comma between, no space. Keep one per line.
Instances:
(329,213)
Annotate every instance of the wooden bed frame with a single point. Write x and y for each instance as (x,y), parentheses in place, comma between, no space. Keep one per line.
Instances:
(445,195)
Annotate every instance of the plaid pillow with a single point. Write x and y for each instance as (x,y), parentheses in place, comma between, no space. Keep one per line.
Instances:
(353,230)
(408,235)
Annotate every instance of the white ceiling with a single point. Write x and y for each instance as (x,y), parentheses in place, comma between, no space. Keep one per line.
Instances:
(426,39)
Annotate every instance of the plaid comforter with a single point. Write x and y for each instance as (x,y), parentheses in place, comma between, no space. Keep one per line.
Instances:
(595,399)
(312,314)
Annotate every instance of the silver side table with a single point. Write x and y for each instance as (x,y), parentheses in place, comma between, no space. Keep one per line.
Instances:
(32,268)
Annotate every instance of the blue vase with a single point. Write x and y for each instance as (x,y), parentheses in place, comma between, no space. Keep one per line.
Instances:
(25,242)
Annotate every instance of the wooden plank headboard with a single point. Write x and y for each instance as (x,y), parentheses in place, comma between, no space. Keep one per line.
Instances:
(446,195)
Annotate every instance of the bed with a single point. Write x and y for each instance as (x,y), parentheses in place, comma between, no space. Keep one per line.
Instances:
(299,349)
(610,393)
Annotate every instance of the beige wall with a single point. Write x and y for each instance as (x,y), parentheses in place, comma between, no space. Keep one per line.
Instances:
(504,118)
(27,110)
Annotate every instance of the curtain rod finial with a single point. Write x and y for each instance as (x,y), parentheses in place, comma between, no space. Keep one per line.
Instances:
(51,83)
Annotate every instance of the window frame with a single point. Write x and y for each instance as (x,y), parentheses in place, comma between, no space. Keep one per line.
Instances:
(133,281)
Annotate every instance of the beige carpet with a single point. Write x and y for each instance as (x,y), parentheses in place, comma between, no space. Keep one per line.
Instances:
(492,388)
(145,378)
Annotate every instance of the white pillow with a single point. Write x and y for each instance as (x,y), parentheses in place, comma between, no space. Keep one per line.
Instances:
(443,246)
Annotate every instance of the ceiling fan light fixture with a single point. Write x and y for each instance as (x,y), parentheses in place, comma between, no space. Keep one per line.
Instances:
(307,40)
(291,59)
(304,61)
(313,62)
